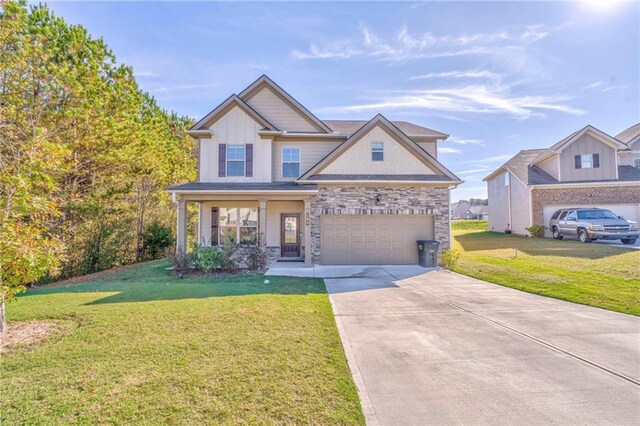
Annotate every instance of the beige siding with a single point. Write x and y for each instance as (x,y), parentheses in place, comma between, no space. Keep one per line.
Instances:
(357,159)
(310,153)
(626,158)
(276,110)
(274,210)
(587,144)
(235,127)
(520,207)
(550,166)
(498,204)
(430,147)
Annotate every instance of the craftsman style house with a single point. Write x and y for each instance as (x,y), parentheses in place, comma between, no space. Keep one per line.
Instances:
(332,192)
(588,168)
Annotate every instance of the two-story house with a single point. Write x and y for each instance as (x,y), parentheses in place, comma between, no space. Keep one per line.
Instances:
(332,192)
(588,168)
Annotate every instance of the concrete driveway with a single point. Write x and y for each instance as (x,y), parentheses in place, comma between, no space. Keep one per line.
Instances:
(432,347)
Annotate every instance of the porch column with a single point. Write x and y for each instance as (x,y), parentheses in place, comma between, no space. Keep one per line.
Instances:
(181,226)
(306,219)
(262,221)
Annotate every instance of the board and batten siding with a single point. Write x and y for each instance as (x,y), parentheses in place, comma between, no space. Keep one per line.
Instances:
(587,144)
(498,204)
(357,158)
(235,128)
(310,153)
(277,111)
(520,207)
(550,166)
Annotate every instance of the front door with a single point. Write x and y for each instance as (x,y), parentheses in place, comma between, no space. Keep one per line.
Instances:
(290,235)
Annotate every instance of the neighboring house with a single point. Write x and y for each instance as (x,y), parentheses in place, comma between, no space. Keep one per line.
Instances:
(332,192)
(478,212)
(460,209)
(588,168)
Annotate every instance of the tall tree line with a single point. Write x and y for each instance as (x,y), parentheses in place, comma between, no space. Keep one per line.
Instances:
(85,155)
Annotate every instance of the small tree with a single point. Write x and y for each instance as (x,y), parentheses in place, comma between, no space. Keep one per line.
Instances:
(157,238)
(26,255)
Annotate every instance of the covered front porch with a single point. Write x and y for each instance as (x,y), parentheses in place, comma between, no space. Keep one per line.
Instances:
(274,214)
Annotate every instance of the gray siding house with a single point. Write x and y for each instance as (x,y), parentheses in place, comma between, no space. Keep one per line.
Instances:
(588,168)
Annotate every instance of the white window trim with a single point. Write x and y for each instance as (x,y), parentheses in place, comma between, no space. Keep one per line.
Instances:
(582,161)
(282,161)
(505,179)
(373,151)
(238,225)
(633,161)
(244,159)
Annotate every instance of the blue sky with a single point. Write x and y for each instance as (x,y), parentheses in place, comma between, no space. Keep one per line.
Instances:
(497,76)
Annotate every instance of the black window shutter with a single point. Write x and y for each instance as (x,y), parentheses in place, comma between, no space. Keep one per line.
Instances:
(578,162)
(596,161)
(248,170)
(222,159)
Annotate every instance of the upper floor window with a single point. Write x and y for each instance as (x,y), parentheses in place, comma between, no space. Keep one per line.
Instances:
(377,151)
(587,161)
(235,160)
(506,179)
(636,163)
(290,162)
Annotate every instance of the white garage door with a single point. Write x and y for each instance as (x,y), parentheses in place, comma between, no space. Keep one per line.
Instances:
(628,211)
(371,240)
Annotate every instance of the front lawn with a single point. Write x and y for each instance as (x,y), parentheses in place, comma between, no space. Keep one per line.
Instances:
(143,347)
(591,274)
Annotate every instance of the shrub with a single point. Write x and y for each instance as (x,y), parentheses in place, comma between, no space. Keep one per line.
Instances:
(230,257)
(536,231)
(180,260)
(256,257)
(450,257)
(157,238)
(206,259)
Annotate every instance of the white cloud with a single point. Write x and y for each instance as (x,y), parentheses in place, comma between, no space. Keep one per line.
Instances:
(405,46)
(593,85)
(447,150)
(473,171)
(483,99)
(455,140)
(479,74)
(488,160)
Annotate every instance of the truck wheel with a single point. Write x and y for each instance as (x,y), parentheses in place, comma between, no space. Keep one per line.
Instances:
(584,236)
(556,233)
(628,241)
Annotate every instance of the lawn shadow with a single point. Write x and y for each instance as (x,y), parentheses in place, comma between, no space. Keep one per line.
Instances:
(152,282)
(486,240)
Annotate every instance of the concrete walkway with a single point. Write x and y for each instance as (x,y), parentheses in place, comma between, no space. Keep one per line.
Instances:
(434,347)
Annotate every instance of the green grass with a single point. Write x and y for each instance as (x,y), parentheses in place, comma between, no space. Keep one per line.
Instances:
(148,348)
(480,225)
(590,274)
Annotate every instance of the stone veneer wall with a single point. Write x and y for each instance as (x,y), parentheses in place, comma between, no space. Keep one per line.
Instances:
(393,201)
(541,197)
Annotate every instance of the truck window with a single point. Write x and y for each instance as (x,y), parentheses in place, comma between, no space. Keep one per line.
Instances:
(563,215)
(555,215)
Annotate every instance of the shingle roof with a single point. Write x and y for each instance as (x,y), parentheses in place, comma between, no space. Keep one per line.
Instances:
(351,126)
(519,163)
(423,178)
(235,186)
(627,135)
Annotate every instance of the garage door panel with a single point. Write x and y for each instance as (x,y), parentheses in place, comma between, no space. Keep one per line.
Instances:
(373,239)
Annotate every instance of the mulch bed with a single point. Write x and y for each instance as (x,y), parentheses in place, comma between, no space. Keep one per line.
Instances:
(27,334)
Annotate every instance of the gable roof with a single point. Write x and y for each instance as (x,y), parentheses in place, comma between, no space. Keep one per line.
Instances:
(225,107)
(630,135)
(518,164)
(349,127)
(410,145)
(264,80)
(558,147)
